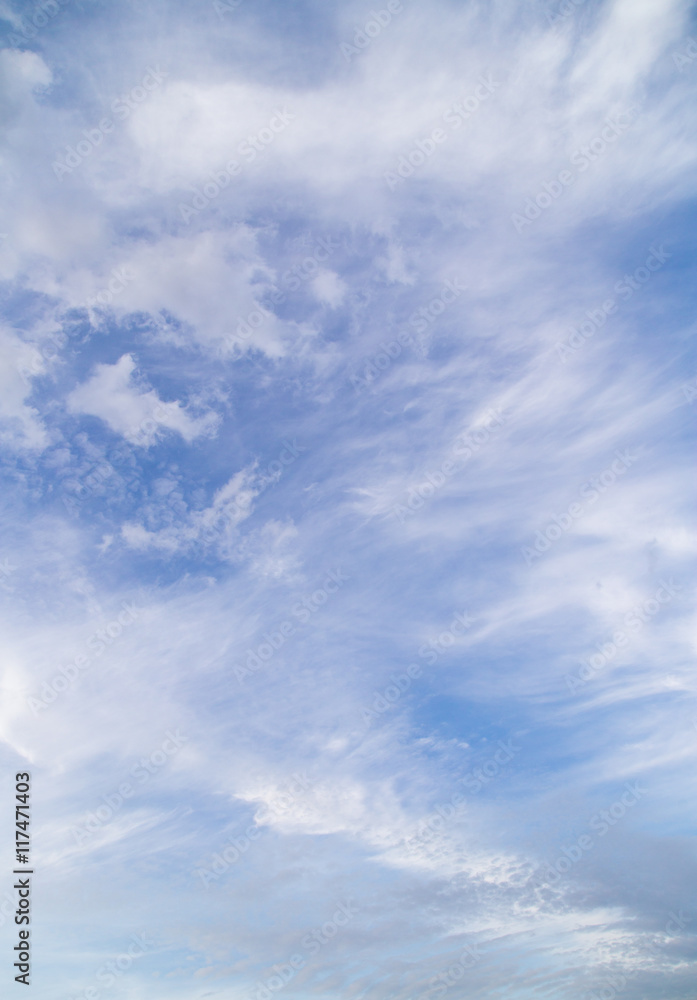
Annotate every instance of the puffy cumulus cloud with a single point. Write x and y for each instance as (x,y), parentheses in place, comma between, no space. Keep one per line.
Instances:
(136,413)
(45,227)
(212,282)
(20,423)
(329,288)
(191,129)
(316,807)
(22,76)
(53,229)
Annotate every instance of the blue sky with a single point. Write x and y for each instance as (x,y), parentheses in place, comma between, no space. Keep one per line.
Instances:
(347,557)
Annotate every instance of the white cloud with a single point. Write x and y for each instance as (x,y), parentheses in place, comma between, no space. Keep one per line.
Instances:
(329,288)
(21,74)
(214,526)
(211,281)
(20,424)
(135,413)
